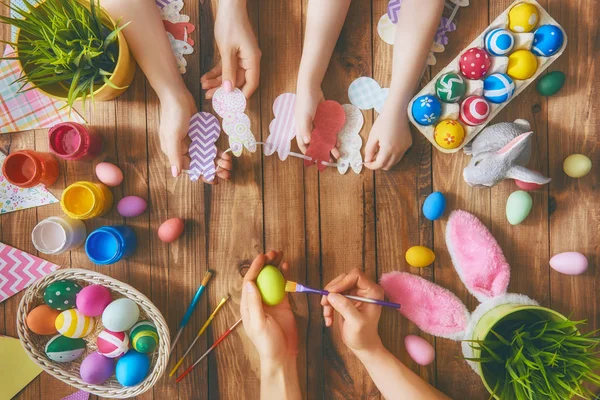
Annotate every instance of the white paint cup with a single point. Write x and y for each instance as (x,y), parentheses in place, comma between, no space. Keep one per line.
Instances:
(56,235)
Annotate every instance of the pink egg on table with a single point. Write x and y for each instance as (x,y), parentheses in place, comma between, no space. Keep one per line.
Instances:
(131,206)
(95,369)
(419,349)
(92,300)
(569,263)
(170,230)
(109,174)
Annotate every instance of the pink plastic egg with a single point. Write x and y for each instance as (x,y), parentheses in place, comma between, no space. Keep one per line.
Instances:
(569,263)
(109,174)
(131,206)
(92,300)
(96,369)
(419,349)
(170,230)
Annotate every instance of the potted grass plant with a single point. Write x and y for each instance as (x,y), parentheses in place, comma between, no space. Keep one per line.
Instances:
(531,352)
(70,50)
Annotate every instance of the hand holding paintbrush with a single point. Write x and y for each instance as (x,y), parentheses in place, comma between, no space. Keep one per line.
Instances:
(295,287)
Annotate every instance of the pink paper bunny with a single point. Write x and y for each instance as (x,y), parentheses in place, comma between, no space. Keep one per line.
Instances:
(283,127)
(481,266)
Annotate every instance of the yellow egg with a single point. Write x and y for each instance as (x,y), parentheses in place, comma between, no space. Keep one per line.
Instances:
(522,64)
(420,256)
(523,17)
(577,165)
(449,134)
(271,285)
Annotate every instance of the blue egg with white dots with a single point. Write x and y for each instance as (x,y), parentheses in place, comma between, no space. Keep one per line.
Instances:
(434,206)
(547,40)
(499,42)
(426,109)
(498,88)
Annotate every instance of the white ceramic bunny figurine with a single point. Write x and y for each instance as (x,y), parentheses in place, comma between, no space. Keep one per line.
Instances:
(481,266)
(499,152)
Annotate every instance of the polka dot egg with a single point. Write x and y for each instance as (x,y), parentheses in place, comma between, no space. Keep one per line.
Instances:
(522,64)
(499,42)
(523,17)
(450,87)
(547,40)
(61,294)
(498,88)
(73,324)
(474,110)
(144,337)
(449,134)
(426,109)
(112,344)
(474,63)
(63,349)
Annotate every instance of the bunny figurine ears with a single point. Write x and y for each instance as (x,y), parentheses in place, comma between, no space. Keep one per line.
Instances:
(481,266)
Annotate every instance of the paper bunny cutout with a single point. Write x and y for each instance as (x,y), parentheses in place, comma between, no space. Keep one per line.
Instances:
(482,268)
(204,132)
(180,47)
(350,140)
(180,30)
(365,93)
(171,12)
(329,119)
(283,127)
(230,106)
(393,8)
(499,152)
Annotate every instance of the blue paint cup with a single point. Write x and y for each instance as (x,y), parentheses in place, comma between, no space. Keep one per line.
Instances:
(109,244)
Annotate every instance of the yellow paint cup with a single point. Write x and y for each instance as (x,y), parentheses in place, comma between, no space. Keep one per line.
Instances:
(85,200)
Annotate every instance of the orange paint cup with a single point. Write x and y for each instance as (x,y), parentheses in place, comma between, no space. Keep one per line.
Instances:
(85,200)
(27,168)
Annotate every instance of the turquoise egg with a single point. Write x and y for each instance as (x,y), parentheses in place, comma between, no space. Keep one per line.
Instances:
(434,206)
(547,40)
(518,206)
(132,368)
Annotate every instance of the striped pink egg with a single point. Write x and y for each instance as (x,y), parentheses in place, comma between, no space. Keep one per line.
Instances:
(474,110)
(112,344)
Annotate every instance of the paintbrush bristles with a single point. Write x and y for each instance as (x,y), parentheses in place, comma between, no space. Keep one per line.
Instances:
(207,277)
(290,286)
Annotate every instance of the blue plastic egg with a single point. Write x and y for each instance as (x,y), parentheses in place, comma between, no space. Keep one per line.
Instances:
(499,42)
(132,368)
(498,88)
(547,40)
(426,109)
(434,206)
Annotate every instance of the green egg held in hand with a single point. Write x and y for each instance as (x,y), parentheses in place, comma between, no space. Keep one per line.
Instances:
(271,285)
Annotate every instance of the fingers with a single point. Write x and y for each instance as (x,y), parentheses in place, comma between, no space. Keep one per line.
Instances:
(255,268)
(251,306)
(371,149)
(357,279)
(252,79)
(173,151)
(343,306)
(285,270)
(274,257)
(304,127)
(212,83)
(382,160)
(226,164)
(328,313)
(212,74)
(229,61)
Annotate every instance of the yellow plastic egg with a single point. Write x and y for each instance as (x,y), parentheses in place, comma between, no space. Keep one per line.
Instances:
(577,165)
(449,134)
(420,256)
(522,64)
(523,17)
(271,285)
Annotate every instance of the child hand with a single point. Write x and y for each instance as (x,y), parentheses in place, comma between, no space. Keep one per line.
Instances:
(359,320)
(240,55)
(389,139)
(272,330)
(175,115)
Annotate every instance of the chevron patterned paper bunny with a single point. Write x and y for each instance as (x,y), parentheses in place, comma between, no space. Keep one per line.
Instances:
(236,124)
(482,268)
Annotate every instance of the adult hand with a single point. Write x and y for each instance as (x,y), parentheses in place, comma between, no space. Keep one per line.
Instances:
(272,329)
(358,322)
(240,55)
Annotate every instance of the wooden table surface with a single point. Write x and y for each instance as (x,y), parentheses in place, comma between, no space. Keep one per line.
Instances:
(328,223)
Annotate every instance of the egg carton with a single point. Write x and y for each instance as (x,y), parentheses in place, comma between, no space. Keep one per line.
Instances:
(523,41)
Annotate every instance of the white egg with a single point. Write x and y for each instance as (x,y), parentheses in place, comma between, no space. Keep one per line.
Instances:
(120,315)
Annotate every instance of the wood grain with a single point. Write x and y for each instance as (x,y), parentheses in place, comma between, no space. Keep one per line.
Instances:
(327,223)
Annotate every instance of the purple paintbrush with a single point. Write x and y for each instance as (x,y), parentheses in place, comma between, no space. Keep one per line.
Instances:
(298,288)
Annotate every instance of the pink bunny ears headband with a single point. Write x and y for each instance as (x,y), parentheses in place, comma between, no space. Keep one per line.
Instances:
(482,268)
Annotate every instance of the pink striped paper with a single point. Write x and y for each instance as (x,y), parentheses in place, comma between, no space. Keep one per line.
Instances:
(19,269)
(282,127)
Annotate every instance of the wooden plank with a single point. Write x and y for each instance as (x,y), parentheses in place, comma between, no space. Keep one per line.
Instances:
(283,192)
(454,377)
(346,208)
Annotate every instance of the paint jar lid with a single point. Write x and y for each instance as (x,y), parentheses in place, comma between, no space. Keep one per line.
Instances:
(67,139)
(78,201)
(22,168)
(103,246)
(49,236)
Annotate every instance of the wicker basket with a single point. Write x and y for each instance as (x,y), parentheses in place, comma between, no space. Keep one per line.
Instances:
(69,372)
